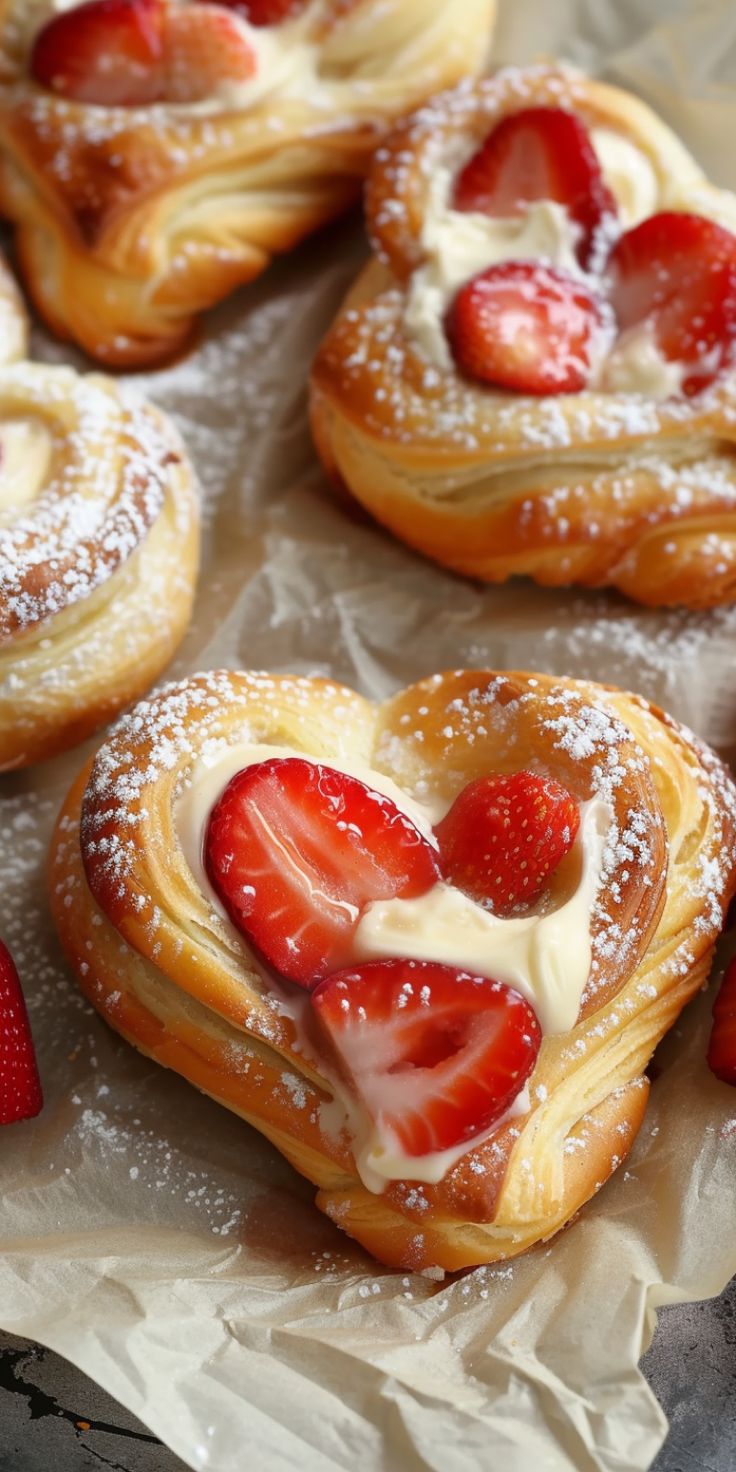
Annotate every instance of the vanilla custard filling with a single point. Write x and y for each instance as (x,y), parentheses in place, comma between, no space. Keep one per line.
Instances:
(459,244)
(26,448)
(545,956)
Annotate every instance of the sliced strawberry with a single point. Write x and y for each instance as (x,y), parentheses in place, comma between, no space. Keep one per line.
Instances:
(436,1055)
(204,47)
(107,52)
(265,12)
(679,273)
(722,1046)
(20,1086)
(504,836)
(540,153)
(525,326)
(296,850)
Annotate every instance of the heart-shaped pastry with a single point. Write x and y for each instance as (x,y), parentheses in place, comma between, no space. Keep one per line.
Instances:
(536,373)
(534,872)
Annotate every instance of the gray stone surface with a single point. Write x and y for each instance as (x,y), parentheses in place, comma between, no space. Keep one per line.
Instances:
(52,1419)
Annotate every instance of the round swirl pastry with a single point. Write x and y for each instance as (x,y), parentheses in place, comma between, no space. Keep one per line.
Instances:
(98,555)
(537,372)
(195,939)
(229,140)
(13,321)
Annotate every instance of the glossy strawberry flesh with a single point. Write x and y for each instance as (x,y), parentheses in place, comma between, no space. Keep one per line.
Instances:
(526,327)
(722,1046)
(20,1086)
(296,850)
(435,1055)
(542,153)
(504,836)
(265,12)
(106,52)
(678,272)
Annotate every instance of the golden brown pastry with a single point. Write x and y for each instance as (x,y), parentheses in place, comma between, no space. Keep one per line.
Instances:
(229,143)
(537,372)
(99,541)
(146,878)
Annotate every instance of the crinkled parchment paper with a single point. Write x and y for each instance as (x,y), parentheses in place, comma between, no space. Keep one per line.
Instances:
(147,1234)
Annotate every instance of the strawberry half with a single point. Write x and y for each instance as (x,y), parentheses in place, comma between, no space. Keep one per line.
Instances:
(265,12)
(20,1086)
(436,1055)
(296,850)
(504,836)
(106,52)
(678,272)
(524,326)
(539,153)
(204,47)
(722,1046)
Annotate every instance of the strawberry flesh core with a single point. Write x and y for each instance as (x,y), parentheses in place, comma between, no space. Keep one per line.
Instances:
(526,327)
(296,850)
(20,1086)
(105,52)
(436,1055)
(678,272)
(722,1046)
(504,836)
(541,153)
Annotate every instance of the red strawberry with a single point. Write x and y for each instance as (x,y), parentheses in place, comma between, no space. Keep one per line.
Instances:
(436,1055)
(503,837)
(679,272)
(106,51)
(20,1087)
(296,850)
(540,153)
(204,46)
(265,12)
(722,1046)
(524,326)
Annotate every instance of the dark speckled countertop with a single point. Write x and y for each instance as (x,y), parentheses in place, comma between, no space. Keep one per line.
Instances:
(52,1417)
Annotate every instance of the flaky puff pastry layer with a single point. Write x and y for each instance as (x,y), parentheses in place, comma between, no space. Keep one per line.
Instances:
(595,488)
(99,546)
(132,221)
(153,954)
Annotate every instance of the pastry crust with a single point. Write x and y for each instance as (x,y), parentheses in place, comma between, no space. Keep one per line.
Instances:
(133,221)
(99,541)
(595,488)
(155,957)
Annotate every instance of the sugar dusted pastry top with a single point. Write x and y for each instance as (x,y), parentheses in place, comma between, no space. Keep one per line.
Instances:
(95,477)
(429,247)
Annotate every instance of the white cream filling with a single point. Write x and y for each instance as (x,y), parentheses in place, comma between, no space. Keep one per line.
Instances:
(635,358)
(629,174)
(544,956)
(25,456)
(458,245)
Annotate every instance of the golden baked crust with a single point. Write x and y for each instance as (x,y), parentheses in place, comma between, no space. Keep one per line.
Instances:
(591,488)
(155,957)
(132,221)
(99,542)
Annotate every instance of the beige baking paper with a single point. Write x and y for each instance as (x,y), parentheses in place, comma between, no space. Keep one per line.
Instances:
(147,1234)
